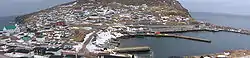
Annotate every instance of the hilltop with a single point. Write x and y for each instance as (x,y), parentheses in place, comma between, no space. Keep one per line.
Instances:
(165,7)
(170,3)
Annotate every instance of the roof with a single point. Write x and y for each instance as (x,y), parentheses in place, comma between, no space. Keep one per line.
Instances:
(26,38)
(10,27)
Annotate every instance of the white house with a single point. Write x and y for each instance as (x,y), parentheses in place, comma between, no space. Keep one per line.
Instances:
(11,29)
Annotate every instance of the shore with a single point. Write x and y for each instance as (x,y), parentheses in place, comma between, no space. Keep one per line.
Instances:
(227,54)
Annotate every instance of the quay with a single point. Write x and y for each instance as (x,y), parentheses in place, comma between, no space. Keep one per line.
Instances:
(125,52)
(170,35)
(132,49)
(190,28)
(213,27)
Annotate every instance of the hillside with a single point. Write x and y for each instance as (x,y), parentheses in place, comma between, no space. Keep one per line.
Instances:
(156,7)
(171,3)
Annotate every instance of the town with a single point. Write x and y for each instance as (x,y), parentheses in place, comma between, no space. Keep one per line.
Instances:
(93,28)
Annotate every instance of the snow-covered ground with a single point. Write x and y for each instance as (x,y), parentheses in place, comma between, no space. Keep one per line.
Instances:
(101,38)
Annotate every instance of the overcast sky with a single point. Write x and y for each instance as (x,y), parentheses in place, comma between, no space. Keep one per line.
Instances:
(17,7)
(240,7)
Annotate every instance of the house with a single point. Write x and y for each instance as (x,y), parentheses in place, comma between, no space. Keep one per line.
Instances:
(26,38)
(11,29)
(60,23)
(1,32)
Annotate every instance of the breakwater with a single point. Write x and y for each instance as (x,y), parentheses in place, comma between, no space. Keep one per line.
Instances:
(168,35)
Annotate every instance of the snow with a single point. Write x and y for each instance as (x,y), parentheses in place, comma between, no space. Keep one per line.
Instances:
(101,38)
(16,54)
(92,48)
(38,56)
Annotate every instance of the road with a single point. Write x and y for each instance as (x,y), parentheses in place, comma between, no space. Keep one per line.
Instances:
(84,51)
(3,56)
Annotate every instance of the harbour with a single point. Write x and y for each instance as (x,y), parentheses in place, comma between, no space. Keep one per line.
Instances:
(58,32)
(221,41)
(169,35)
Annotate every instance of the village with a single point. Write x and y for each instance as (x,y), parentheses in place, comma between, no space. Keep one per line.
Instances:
(76,29)
(91,28)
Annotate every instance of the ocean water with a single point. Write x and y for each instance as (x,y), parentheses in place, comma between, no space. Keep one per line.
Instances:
(4,21)
(164,47)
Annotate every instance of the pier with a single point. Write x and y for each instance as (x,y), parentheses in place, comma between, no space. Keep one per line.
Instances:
(191,28)
(132,49)
(170,35)
(226,29)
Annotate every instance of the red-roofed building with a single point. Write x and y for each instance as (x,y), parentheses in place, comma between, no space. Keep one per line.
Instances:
(60,23)
(157,32)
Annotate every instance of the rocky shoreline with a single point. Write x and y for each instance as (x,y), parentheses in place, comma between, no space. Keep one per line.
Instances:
(226,54)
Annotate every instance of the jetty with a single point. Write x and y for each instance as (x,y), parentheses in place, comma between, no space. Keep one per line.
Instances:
(115,56)
(169,35)
(190,28)
(132,49)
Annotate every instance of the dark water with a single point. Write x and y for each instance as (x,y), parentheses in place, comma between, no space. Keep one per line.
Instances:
(165,47)
(223,19)
(4,21)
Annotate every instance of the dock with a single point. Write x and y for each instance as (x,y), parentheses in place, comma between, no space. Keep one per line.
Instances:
(115,56)
(191,28)
(132,49)
(171,35)
(227,29)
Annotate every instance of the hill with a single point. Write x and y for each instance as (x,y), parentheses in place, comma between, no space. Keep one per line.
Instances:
(155,7)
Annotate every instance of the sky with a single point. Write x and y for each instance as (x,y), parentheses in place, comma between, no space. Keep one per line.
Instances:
(239,7)
(19,7)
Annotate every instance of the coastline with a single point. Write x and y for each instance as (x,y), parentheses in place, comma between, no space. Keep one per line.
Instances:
(227,54)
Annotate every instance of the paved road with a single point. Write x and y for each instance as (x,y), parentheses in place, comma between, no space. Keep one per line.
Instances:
(84,51)
(3,56)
